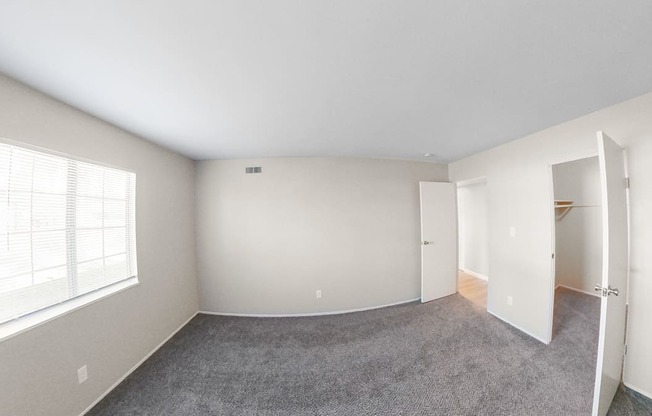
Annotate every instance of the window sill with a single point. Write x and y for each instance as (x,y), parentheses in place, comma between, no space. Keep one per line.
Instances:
(25,323)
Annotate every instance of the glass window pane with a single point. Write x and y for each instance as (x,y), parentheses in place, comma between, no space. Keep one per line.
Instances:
(90,180)
(50,174)
(16,258)
(5,159)
(116,267)
(115,184)
(89,212)
(89,245)
(49,212)
(115,213)
(90,275)
(115,241)
(20,170)
(49,275)
(4,213)
(19,216)
(49,249)
(9,284)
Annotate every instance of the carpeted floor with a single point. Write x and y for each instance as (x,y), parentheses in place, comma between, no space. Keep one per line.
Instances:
(628,402)
(446,357)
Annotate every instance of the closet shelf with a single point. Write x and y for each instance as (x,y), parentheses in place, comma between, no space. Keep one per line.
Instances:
(562,208)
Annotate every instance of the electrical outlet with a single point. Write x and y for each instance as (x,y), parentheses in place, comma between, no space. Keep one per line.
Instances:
(318,294)
(512,231)
(82,374)
(510,300)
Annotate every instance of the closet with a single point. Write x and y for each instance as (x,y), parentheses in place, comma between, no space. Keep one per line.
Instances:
(578,233)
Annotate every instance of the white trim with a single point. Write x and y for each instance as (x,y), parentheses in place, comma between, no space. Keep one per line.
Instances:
(473,181)
(299,315)
(519,328)
(25,323)
(474,274)
(52,152)
(553,250)
(138,364)
(565,159)
(597,295)
(637,390)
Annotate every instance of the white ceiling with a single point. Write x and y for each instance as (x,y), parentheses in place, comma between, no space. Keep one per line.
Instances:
(364,78)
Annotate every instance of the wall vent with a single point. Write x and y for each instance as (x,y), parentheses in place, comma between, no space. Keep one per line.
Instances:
(254,169)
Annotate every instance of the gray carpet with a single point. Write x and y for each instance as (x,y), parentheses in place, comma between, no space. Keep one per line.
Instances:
(628,402)
(443,358)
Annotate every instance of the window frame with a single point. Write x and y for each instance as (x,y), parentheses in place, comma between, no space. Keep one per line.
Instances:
(31,320)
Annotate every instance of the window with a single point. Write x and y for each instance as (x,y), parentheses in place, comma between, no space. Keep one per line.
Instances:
(67,229)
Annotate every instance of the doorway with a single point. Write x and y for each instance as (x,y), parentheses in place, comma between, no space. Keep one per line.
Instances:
(578,240)
(473,267)
(578,250)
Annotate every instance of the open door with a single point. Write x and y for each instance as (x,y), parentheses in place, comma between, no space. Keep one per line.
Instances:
(615,266)
(438,240)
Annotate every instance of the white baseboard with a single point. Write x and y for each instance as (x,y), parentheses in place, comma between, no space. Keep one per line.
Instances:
(474,274)
(298,315)
(519,328)
(596,294)
(637,390)
(138,364)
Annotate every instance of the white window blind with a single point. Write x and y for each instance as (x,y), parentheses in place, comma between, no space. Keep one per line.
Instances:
(67,228)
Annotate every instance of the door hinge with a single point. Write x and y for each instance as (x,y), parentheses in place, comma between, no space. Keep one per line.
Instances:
(625,350)
(553,255)
(626,183)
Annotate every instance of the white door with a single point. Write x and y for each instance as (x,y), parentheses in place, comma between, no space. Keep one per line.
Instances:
(438,240)
(614,273)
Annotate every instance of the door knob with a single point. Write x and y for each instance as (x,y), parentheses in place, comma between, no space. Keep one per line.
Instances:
(425,243)
(606,291)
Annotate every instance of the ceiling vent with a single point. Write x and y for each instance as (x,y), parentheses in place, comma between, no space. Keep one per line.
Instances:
(254,169)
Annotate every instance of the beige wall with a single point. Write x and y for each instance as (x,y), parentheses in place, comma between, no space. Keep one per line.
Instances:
(349,227)
(519,193)
(39,367)
(578,234)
